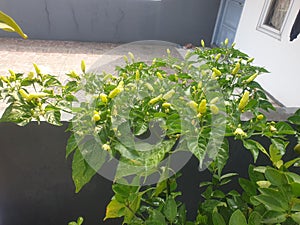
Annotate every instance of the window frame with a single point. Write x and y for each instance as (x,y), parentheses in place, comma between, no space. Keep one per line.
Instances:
(267,29)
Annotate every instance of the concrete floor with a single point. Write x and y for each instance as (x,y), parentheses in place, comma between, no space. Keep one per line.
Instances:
(54,57)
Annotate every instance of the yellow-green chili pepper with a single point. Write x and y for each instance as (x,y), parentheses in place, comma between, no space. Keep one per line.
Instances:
(250,60)
(131,56)
(226,41)
(236,68)
(155,100)
(3,78)
(202,106)
(260,116)
(214,109)
(137,75)
(218,72)
(83,66)
(218,56)
(244,101)
(251,78)
(214,100)
(115,92)
(297,148)
(193,105)
(37,69)
(103,98)
(149,86)
(169,94)
(202,43)
(166,105)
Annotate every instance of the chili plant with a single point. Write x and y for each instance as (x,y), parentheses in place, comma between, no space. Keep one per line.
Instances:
(188,106)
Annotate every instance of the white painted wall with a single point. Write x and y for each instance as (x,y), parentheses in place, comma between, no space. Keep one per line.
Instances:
(281,58)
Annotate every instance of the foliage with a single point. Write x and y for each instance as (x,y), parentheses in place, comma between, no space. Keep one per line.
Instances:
(8,24)
(196,103)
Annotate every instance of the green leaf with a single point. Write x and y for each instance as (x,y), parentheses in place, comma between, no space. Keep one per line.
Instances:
(295,177)
(296,217)
(275,154)
(284,128)
(278,195)
(280,145)
(254,175)
(254,147)
(295,203)
(170,209)
(81,171)
(210,204)
(114,210)
(237,218)
(156,218)
(222,156)
(53,117)
(254,218)
(71,145)
(17,113)
(72,223)
(294,119)
(275,177)
(87,160)
(79,220)
(269,202)
(296,189)
(134,205)
(160,187)
(8,24)
(291,162)
(248,186)
(182,214)
(274,217)
(217,219)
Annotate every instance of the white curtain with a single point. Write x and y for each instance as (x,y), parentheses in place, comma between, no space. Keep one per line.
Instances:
(279,13)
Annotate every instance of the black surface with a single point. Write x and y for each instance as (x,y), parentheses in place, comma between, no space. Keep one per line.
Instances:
(36,187)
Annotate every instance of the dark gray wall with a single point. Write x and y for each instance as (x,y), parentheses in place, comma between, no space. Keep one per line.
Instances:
(179,21)
(36,187)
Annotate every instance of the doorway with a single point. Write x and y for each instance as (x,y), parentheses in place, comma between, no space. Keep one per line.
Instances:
(228,20)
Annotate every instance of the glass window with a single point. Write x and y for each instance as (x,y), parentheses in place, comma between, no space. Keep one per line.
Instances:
(273,17)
